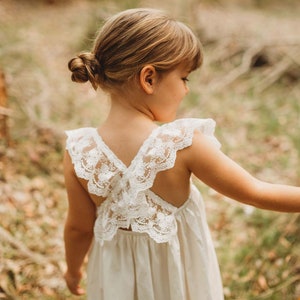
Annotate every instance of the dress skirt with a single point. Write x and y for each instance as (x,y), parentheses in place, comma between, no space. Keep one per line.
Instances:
(132,266)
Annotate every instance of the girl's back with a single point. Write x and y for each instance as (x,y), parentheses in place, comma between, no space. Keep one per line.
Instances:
(171,185)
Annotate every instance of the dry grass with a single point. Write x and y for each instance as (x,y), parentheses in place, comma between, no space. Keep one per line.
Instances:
(249,85)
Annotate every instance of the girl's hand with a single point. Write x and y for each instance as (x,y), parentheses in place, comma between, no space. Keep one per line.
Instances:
(73,284)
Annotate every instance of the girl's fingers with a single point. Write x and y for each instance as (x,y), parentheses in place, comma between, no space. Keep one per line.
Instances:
(78,291)
(73,285)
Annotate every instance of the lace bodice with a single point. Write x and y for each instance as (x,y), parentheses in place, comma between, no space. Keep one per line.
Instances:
(129,200)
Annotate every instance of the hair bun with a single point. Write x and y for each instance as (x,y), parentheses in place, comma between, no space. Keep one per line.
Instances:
(84,68)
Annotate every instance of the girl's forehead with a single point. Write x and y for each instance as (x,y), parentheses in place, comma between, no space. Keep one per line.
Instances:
(184,66)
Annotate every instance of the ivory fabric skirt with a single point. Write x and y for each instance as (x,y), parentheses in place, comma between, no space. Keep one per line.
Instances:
(132,266)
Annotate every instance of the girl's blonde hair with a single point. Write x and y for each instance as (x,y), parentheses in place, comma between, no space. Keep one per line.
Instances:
(132,39)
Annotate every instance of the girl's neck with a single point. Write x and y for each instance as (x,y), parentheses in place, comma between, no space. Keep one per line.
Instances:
(128,112)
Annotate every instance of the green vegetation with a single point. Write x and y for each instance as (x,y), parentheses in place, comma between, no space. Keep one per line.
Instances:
(249,84)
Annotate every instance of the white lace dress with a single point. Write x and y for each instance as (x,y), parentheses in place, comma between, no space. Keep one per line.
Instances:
(169,254)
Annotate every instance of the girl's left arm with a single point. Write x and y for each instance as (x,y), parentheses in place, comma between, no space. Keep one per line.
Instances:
(78,231)
(225,176)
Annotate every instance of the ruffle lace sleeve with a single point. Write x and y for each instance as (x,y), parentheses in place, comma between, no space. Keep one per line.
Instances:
(190,125)
(90,161)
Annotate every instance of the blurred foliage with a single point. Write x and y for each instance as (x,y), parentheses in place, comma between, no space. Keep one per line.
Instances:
(249,84)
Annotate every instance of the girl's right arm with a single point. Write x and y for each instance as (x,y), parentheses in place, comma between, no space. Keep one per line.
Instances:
(225,176)
(78,231)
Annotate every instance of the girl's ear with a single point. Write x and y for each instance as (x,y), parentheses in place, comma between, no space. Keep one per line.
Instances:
(148,78)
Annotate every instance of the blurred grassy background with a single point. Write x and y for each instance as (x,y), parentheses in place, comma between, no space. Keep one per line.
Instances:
(249,84)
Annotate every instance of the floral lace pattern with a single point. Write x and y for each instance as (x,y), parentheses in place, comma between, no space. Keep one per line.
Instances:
(129,201)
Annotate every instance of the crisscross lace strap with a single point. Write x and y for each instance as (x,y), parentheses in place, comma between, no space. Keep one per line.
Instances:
(130,202)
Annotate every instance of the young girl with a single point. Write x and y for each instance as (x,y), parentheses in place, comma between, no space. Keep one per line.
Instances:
(131,200)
